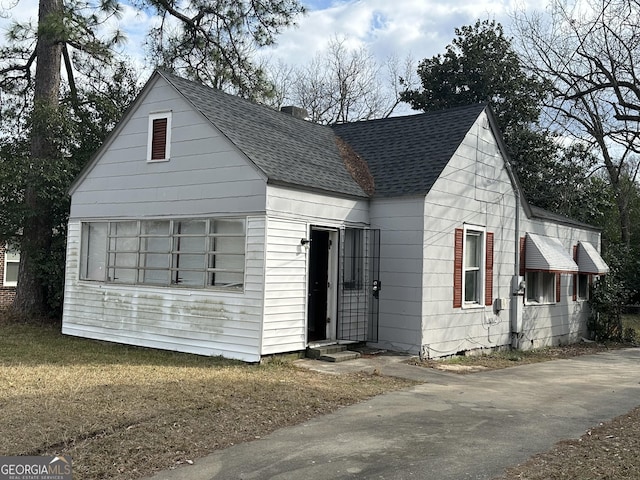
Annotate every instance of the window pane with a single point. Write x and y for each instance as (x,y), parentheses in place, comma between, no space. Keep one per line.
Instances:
(155,227)
(471,290)
(93,251)
(123,252)
(541,287)
(11,272)
(549,280)
(583,286)
(189,227)
(189,250)
(155,248)
(227,258)
(228,227)
(473,251)
(532,287)
(353,259)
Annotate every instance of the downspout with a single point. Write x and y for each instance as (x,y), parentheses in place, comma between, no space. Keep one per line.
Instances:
(516,304)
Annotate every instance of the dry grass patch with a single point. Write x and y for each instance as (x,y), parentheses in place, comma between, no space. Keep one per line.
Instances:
(124,412)
(608,452)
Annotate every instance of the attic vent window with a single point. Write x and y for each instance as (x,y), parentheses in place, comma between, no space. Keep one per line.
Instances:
(159,141)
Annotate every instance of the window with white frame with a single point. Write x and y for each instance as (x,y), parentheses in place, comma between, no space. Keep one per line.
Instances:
(473,277)
(540,287)
(194,253)
(353,259)
(11,264)
(159,137)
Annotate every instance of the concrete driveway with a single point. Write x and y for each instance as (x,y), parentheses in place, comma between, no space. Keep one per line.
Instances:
(450,427)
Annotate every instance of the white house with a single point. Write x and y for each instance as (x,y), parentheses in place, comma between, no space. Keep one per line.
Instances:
(212,225)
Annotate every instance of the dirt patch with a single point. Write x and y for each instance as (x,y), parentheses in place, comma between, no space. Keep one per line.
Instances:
(607,452)
(504,359)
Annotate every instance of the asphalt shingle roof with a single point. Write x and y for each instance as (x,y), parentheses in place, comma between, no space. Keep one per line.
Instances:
(287,149)
(407,154)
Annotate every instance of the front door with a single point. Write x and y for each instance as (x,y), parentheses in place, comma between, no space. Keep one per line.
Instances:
(319,316)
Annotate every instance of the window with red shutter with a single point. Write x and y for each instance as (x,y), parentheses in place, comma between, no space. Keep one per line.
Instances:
(159,139)
(472,267)
(488,279)
(457,268)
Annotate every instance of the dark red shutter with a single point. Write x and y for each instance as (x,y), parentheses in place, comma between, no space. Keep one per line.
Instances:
(575,277)
(488,278)
(159,139)
(557,288)
(457,268)
(523,255)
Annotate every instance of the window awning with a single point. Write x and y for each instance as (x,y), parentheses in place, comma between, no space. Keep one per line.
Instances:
(590,261)
(547,254)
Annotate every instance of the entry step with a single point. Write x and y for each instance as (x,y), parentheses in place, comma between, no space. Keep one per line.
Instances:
(332,353)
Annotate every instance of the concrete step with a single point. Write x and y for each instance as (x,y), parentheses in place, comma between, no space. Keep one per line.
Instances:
(317,352)
(339,356)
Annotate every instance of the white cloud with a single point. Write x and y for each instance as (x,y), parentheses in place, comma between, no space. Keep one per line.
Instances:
(421,28)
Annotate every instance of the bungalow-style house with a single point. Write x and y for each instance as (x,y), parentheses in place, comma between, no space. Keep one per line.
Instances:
(212,225)
(9,261)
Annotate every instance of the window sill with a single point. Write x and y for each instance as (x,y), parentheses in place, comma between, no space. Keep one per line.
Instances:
(175,289)
(158,160)
(472,306)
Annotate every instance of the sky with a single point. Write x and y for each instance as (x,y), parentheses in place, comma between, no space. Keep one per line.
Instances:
(415,28)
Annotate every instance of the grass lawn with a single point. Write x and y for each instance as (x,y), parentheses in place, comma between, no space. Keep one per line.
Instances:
(123,412)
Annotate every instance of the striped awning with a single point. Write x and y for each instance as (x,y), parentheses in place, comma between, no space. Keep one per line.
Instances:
(547,254)
(590,261)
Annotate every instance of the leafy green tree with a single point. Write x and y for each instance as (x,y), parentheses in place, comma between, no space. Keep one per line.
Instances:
(481,66)
(82,122)
(200,37)
(213,41)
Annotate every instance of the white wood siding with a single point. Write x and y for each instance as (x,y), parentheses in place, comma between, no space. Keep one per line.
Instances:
(205,175)
(285,291)
(291,213)
(402,229)
(206,322)
(315,208)
(475,189)
(566,321)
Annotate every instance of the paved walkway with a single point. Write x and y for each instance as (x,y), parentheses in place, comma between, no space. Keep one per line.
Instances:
(449,427)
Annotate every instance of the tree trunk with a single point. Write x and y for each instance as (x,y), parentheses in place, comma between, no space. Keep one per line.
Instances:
(31,293)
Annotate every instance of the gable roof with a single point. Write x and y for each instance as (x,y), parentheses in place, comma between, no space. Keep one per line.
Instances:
(407,154)
(290,151)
